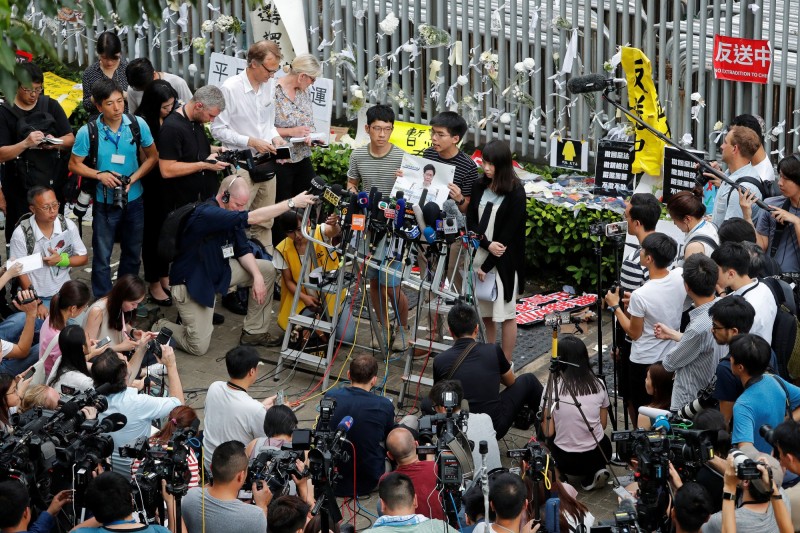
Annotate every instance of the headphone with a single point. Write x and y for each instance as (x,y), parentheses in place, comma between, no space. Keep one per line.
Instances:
(226,196)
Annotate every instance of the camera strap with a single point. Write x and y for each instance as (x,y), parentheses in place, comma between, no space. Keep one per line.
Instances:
(788,404)
(460,360)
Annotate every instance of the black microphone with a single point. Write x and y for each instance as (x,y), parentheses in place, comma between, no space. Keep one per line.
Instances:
(113,422)
(422,197)
(431,212)
(317,185)
(592,83)
(348,217)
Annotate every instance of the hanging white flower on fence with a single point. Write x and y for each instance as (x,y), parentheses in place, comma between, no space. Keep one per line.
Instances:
(389,24)
(433,37)
(505,118)
(208,26)
(462,80)
(200,44)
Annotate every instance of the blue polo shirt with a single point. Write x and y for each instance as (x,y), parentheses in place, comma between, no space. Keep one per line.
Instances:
(762,402)
(200,264)
(111,144)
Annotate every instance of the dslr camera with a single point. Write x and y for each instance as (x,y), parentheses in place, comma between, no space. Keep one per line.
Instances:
(120,195)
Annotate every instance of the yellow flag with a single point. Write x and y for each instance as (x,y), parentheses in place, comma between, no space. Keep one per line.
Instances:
(643,101)
(413,138)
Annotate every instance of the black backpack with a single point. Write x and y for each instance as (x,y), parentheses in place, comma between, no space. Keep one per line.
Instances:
(90,185)
(765,192)
(36,167)
(785,338)
(169,241)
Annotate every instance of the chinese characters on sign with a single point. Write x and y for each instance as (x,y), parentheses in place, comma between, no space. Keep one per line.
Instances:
(613,169)
(223,67)
(412,138)
(322,98)
(679,172)
(738,59)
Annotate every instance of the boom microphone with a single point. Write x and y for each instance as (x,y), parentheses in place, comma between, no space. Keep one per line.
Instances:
(592,83)
(422,197)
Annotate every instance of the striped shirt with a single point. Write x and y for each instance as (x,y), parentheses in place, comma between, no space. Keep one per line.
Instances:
(694,359)
(375,171)
(632,274)
(466,169)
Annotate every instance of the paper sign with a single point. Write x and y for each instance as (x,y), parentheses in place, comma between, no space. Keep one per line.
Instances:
(410,137)
(419,174)
(223,67)
(679,171)
(66,92)
(569,153)
(322,105)
(29,263)
(736,59)
(282,21)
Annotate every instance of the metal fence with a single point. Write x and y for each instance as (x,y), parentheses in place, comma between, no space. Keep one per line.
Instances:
(677,36)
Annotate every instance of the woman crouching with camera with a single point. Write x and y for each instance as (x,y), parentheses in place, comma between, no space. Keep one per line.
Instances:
(572,445)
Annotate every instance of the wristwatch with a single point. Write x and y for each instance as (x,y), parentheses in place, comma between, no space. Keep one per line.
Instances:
(463,199)
(613,308)
(729,496)
(290,203)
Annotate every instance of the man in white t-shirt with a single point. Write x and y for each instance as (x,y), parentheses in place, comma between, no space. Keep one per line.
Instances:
(53,236)
(733,261)
(660,300)
(140,73)
(230,412)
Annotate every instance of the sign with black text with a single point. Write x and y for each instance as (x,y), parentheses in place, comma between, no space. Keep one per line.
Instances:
(614,164)
(679,171)
(569,153)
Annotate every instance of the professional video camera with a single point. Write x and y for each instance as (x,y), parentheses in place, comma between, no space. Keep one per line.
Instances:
(624,519)
(535,455)
(276,466)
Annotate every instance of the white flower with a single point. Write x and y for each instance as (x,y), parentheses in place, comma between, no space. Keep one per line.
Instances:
(529,63)
(696,97)
(199,44)
(505,118)
(208,26)
(192,69)
(462,80)
(519,67)
(358,93)
(408,47)
(777,130)
(687,139)
(495,59)
(556,56)
(389,24)
(486,56)
(718,126)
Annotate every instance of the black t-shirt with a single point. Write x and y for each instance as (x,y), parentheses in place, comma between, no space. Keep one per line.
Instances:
(479,374)
(8,133)
(185,141)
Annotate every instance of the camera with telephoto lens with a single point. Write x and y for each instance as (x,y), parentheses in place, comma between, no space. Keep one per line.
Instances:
(240,158)
(535,455)
(705,399)
(82,204)
(768,434)
(120,195)
(745,467)
(154,345)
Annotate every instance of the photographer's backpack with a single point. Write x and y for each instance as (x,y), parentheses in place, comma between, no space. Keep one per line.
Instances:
(36,167)
(90,185)
(30,240)
(785,338)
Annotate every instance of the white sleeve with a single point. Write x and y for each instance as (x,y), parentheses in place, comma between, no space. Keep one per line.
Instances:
(18,248)
(78,246)
(222,128)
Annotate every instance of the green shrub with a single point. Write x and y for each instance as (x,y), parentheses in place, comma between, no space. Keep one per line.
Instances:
(558,244)
(332,163)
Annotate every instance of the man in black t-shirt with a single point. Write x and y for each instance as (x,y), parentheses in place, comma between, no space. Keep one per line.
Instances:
(482,371)
(20,145)
(183,148)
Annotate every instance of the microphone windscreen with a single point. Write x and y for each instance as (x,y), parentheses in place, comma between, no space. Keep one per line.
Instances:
(400,213)
(419,216)
(363,200)
(346,423)
(348,218)
(431,213)
(652,412)
(423,196)
(587,84)
(430,234)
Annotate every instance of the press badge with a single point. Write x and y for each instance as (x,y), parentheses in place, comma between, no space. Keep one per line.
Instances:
(118,159)
(227,251)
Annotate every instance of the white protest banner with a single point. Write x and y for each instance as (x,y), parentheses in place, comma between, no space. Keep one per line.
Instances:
(223,67)
(322,100)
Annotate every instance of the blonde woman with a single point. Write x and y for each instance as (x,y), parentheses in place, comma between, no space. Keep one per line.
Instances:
(294,119)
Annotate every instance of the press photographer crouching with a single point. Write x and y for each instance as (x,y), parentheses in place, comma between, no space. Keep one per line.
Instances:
(785,439)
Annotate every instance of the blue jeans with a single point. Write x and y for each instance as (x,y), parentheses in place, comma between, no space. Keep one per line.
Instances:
(107,220)
(10,330)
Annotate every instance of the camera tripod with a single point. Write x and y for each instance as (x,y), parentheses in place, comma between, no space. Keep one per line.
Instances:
(550,399)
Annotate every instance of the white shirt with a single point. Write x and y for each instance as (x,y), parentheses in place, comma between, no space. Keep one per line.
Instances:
(726,204)
(230,414)
(658,300)
(248,113)
(703,228)
(765,170)
(760,297)
(178,83)
(48,280)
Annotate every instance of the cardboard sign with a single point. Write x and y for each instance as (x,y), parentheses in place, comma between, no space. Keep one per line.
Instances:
(223,67)
(410,137)
(679,171)
(614,165)
(569,153)
(736,59)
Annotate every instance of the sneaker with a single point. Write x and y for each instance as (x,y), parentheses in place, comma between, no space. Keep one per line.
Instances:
(259,339)
(616,461)
(399,339)
(600,479)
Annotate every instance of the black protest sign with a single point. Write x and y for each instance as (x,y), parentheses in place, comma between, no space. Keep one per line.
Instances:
(613,167)
(679,171)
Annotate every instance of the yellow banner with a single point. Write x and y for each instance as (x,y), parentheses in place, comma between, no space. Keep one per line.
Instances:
(413,138)
(643,101)
(66,92)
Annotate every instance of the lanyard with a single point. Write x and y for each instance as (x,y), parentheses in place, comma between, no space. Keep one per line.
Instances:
(115,142)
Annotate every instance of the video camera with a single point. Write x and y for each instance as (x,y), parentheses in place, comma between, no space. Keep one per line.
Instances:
(535,455)
(624,519)
(276,466)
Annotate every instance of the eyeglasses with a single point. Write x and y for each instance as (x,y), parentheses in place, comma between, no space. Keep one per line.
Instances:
(387,130)
(438,135)
(35,90)
(717,327)
(312,78)
(269,69)
(49,207)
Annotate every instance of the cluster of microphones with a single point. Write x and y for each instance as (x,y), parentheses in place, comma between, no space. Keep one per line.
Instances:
(421,222)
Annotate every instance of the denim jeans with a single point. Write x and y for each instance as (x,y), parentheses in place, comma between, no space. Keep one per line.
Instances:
(10,330)
(107,219)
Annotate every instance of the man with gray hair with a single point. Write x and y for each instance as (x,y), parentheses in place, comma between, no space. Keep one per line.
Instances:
(212,256)
(248,122)
(186,157)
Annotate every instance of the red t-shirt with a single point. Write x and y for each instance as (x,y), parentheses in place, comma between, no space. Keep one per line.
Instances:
(423,474)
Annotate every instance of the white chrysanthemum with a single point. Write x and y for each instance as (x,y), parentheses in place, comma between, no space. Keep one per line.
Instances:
(208,26)
(462,80)
(192,69)
(505,118)
(389,24)
(718,125)
(529,63)
(519,67)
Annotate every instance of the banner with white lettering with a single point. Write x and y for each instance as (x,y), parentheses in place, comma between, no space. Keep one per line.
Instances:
(614,164)
(737,59)
(679,171)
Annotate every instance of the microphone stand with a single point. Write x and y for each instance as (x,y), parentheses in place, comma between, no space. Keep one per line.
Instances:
(483,449)
(703,164)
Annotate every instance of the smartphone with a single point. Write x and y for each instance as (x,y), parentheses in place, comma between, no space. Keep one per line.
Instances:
(164,336)
(31,371)
(104,342)
(280,397)
(283,152)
